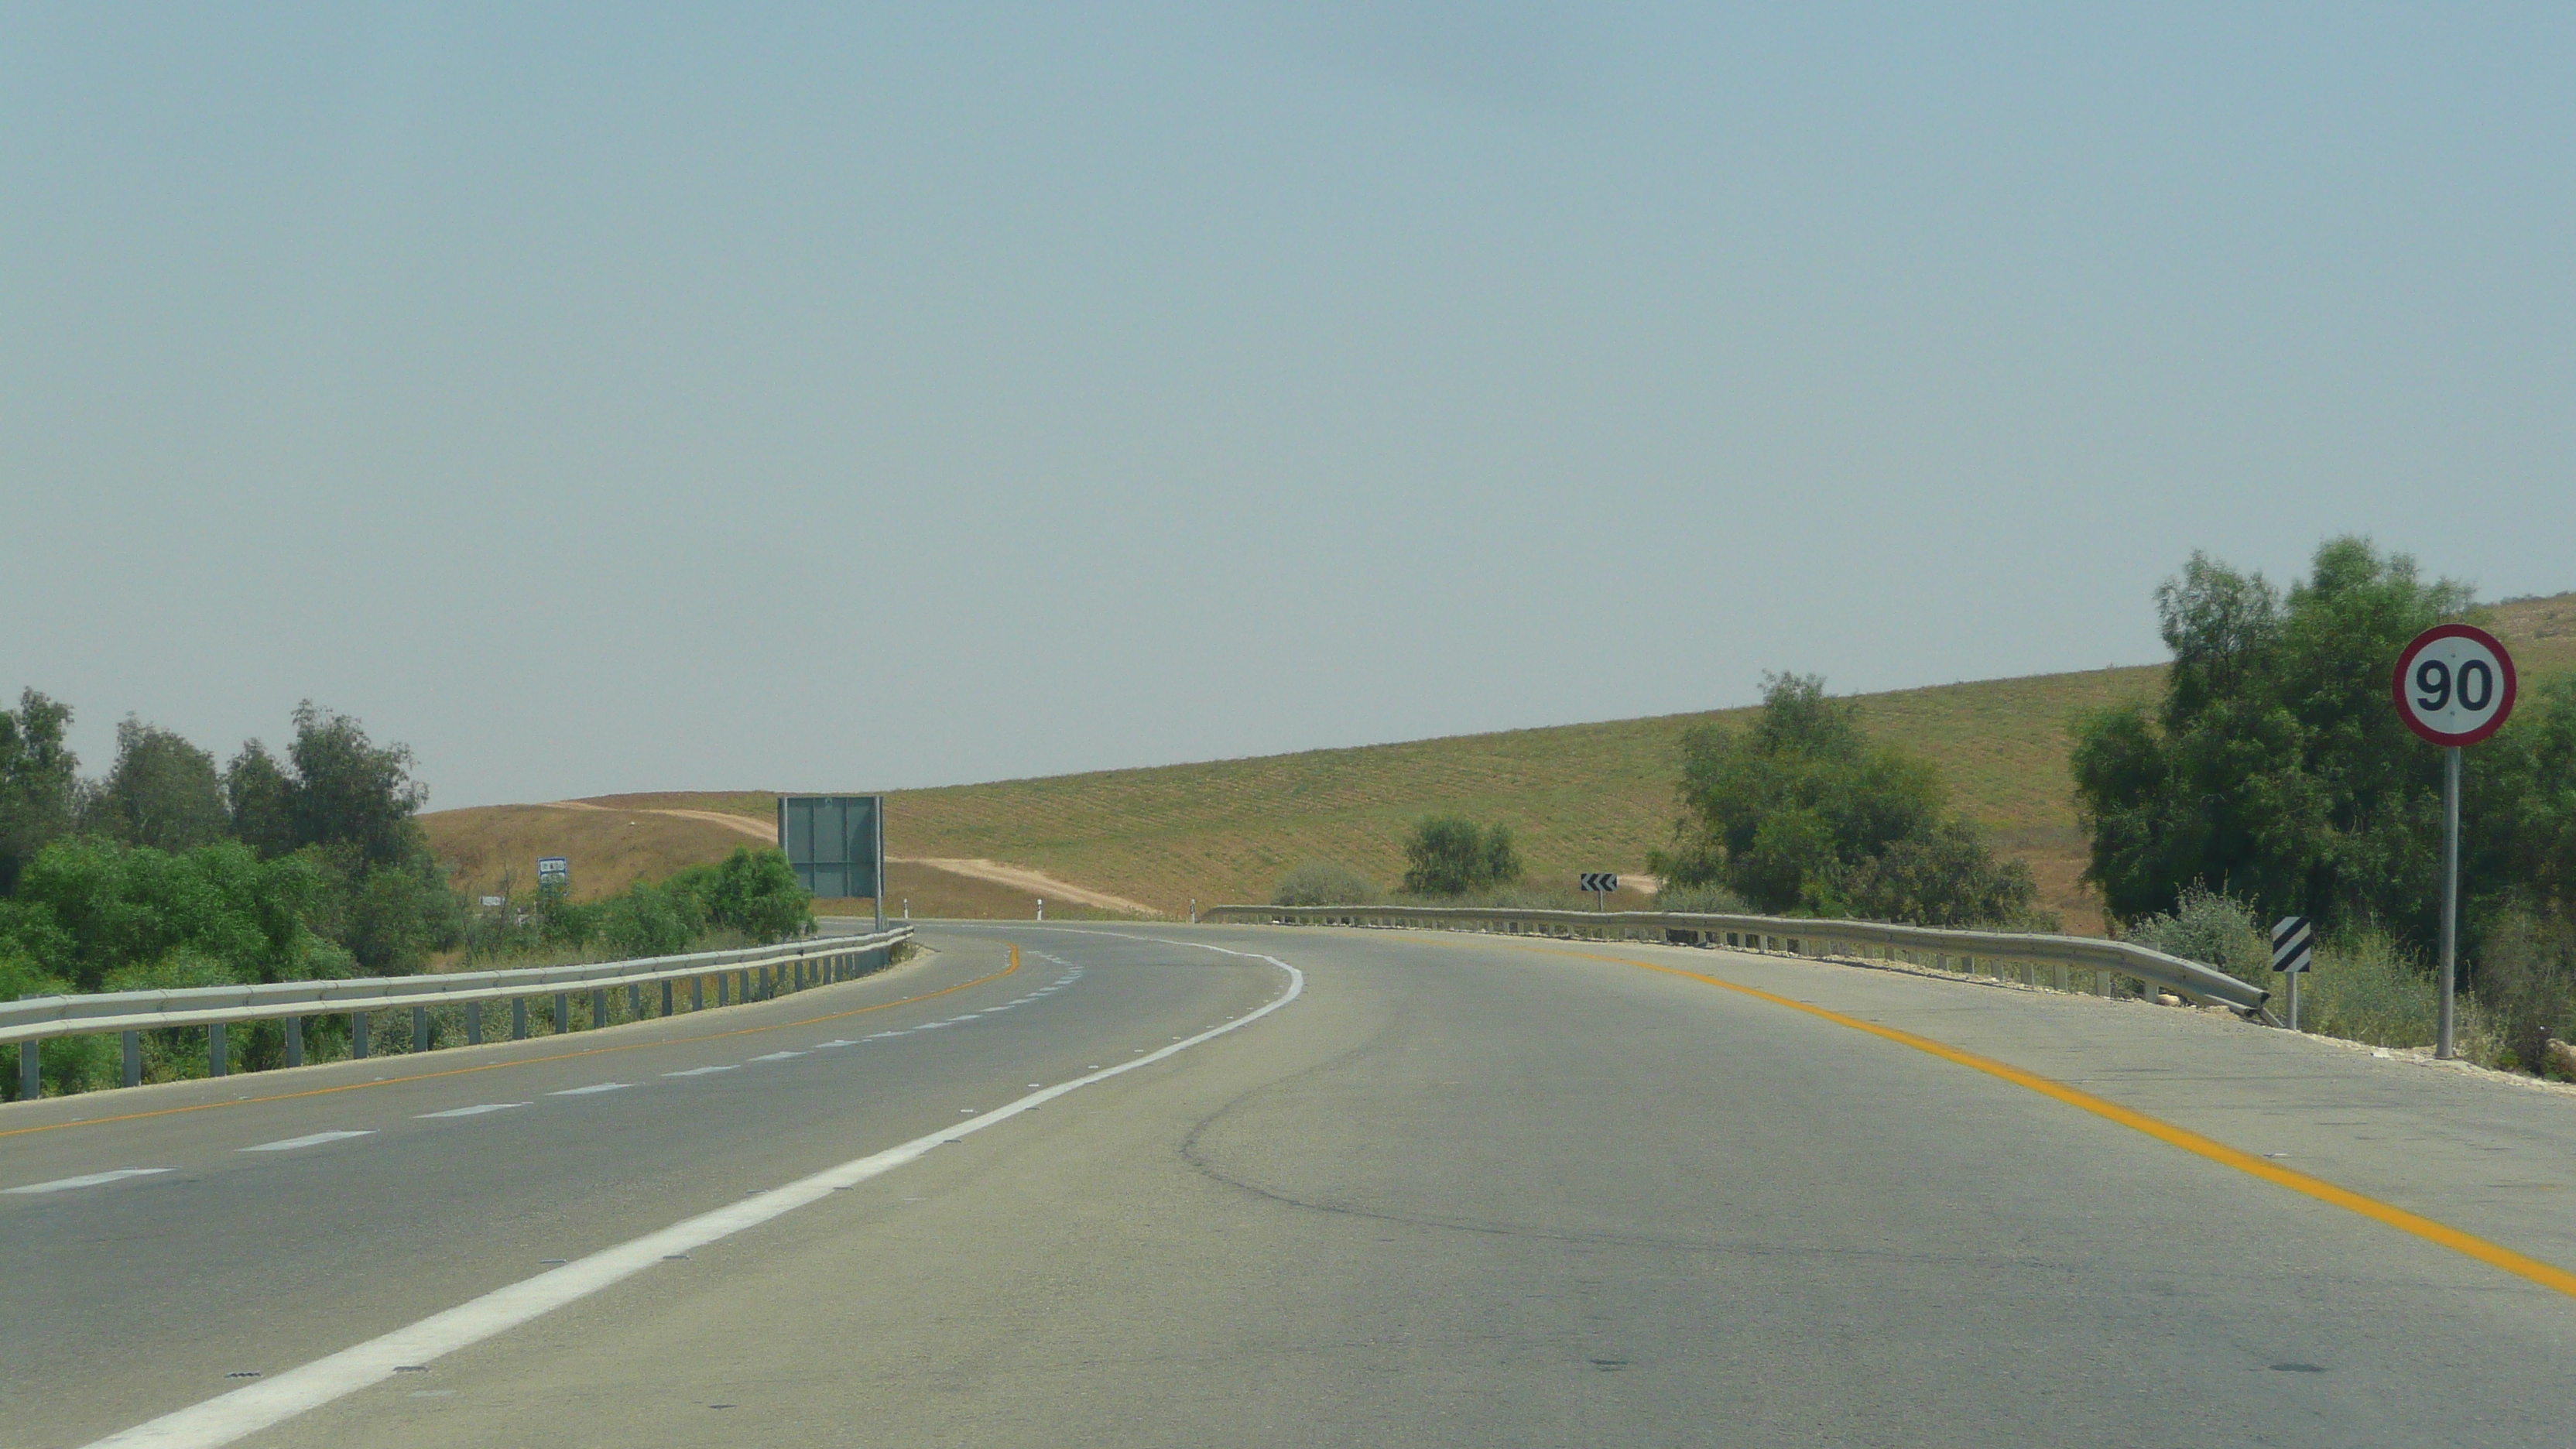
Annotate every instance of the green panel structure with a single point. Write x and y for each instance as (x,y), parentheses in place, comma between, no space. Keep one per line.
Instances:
(836,843)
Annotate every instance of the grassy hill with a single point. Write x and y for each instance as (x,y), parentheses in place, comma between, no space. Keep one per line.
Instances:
(1579,797)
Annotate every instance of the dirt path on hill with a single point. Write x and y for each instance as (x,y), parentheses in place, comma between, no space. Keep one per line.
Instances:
(1036,883)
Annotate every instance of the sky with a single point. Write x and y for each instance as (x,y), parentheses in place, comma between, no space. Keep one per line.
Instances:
(843,398)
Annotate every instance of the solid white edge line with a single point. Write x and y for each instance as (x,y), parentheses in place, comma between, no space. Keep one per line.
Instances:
(274,1400)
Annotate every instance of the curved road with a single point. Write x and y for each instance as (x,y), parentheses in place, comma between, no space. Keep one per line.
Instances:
(1459,1190)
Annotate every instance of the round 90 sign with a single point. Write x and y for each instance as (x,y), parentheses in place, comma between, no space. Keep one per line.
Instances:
(2454,684)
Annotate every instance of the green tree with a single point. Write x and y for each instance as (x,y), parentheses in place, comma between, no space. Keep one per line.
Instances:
(1801,814)
(259,800)
(39,781)
(350,791)
(162,792)
(1450,855)
(2275,769)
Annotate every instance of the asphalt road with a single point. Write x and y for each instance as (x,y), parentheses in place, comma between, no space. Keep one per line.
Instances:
(1459,1191)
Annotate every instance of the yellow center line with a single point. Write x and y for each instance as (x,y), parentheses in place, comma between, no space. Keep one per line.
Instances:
(520,1061)
(2547,1275)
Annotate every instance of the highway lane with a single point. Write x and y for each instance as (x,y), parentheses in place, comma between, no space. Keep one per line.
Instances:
(128,1298)
(1474,1191)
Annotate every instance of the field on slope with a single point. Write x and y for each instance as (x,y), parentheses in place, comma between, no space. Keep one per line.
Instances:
(1579,797)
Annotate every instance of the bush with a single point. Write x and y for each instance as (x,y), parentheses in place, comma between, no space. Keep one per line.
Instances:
(2526,981)
(1324,883)
(2213,929)
(754,892)
(2366,987)
(1713,900)
(652,921)
(1450,855)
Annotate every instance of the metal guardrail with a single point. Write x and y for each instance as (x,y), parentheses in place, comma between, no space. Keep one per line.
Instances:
(746,974)
(1998,951)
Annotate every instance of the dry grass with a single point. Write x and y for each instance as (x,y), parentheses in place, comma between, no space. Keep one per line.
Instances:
(1578,797)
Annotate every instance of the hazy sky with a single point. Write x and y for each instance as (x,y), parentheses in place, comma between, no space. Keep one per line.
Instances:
(731,397)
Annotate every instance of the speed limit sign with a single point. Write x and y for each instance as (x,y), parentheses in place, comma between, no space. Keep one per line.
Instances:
(2454,685)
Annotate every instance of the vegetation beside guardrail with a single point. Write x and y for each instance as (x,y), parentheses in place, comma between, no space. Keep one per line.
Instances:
(359,1015)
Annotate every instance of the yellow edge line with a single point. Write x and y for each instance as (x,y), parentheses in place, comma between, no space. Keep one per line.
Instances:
(2547,1275)
(518,1062)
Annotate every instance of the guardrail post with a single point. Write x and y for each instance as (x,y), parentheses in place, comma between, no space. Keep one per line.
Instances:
(133,1043)
(598,1007)
(634,1001)
(420,1028)
(357,1036)
(724,984)
(474,1023)
(31,1071)
(698,992)
(666,996)
(295,1041)
(563,1013)
(518,1018)
(2061,976)
(216,1057)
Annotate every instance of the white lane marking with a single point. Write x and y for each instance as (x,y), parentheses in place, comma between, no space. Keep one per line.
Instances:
(593,1088)
(777,1056)
(702,1071)
(274,1400)
(310,1139)
(89,1179)
(467,1111)
(828,1045)
(883,1034)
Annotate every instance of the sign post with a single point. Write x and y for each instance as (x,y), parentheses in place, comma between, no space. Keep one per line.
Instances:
(1602,884)
(2454,686)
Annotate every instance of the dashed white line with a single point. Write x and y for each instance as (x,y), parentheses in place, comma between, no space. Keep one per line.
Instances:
(310,1139)
(702,1071)
(592,1089)
(827,1045)
(476,1111)
(89,1179)
(777,1056)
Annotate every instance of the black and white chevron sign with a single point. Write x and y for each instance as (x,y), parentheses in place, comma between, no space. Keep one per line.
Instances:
(1600,882)
(2294,944)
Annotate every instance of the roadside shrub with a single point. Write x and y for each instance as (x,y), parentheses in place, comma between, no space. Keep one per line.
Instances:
(2526,981)
(2214,929)
(1706,899)
(754,892)
(651,921)
(1324,883)
(1450,855)
(2366,987)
